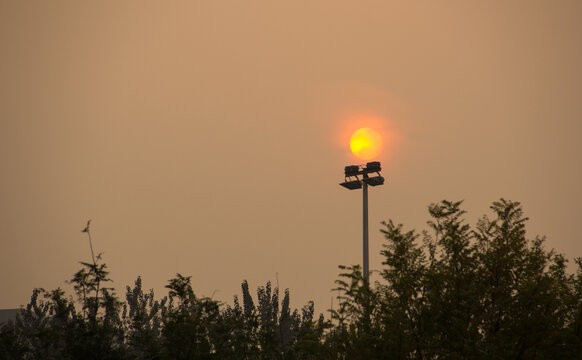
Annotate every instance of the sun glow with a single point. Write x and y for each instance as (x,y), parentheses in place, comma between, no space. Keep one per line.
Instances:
(366,143)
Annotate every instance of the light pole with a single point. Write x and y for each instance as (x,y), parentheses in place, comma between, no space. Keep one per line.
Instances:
(353,172)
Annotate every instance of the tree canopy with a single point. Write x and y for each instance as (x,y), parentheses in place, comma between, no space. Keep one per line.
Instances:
(451,292)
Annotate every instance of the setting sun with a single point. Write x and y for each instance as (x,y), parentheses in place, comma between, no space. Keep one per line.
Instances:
(366,143)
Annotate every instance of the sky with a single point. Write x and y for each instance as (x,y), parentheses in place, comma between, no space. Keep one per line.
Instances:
(208,138)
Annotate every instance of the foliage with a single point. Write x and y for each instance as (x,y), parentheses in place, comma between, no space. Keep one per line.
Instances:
(452,292)
(462,293)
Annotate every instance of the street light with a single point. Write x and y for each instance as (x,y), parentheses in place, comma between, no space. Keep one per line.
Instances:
(353,182)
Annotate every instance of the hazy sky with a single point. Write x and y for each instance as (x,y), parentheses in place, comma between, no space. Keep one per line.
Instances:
(209,138)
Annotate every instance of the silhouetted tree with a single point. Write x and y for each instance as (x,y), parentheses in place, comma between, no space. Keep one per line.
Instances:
(488,293)
(187,320)
(143,323)
(452,292)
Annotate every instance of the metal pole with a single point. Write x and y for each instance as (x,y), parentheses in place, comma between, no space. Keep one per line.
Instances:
(365,193)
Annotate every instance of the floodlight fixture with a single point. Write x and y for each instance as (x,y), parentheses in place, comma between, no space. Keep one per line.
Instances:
(373,166)
(352,170)
(374,180)
(352,185)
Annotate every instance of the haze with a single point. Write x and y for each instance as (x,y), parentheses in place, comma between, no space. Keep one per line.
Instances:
(207,138)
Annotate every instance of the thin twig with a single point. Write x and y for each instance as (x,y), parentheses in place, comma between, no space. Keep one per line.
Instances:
(91,246)
(88,231)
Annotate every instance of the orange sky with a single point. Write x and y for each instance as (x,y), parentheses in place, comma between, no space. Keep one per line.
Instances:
(206,138)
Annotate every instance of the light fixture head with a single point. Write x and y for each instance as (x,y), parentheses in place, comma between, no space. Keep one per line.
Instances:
(352,170)
(373,166)
(374,180)
(352,185)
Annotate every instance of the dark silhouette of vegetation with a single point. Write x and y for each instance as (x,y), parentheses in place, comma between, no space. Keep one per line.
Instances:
(453,292)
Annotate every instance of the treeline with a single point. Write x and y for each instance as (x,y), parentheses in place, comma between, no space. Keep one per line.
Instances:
(453,292)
